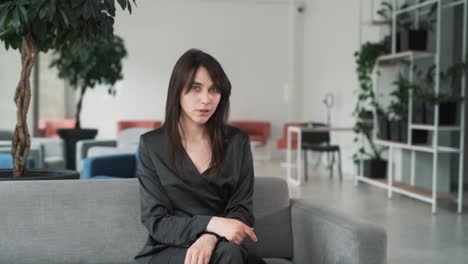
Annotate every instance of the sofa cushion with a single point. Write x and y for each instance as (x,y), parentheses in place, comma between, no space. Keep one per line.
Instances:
(272,212)
(70,221)
(98,221)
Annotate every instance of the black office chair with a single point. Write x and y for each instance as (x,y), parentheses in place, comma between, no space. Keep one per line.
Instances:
(319,142)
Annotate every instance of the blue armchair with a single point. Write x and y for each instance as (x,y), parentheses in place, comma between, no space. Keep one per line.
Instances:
(110,166)
(6,161)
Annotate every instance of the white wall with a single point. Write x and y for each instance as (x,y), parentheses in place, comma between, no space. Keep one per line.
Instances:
(331,38)
(248,38)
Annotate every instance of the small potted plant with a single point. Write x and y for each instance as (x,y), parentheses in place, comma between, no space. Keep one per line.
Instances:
(373,164)
(398,110)
(41,25)
(448,101)
(408,36)
(84,65)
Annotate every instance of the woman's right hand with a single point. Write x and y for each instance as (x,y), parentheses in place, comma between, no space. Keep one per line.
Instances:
(232,229)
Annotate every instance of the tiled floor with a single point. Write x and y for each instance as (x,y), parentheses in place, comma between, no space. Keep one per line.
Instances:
(415,235)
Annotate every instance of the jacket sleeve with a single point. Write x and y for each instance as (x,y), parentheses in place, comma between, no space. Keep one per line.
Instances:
(156,210)
(240,205)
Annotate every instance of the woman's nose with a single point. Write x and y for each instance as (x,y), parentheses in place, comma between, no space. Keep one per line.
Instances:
(205,97)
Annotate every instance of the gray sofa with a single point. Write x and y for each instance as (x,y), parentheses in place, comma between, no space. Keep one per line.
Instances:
(98,221)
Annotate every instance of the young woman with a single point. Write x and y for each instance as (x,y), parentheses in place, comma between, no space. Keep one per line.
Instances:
(196,173)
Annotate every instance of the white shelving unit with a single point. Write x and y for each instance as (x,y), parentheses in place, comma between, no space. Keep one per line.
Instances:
(410,190)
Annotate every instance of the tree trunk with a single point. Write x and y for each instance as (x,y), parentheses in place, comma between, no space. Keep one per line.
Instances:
(78,108)
(21,137)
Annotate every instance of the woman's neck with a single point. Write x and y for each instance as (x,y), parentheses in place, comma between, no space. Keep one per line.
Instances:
(192,132)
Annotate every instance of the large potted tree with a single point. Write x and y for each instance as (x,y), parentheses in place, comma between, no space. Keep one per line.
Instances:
(84,65)
(373,164)
(31,26)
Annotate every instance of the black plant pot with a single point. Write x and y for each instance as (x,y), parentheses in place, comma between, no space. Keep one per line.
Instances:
(387,42)
(40,174)
(70,137)
(383,128)
(413,40)
(395,133)
(420,137)
(418,112)
(374,168)
(447,113)
(403,131)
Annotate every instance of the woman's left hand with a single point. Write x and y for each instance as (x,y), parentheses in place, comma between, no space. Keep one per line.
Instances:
(201,250)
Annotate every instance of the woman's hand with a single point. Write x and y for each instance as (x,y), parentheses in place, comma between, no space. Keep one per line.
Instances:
(232,229)
(201,250)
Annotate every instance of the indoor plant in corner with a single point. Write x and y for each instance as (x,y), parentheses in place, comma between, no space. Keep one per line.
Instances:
(84,65)
(32,26)
(373,164)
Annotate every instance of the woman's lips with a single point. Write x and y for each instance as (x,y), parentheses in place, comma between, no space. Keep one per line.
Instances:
(203,112)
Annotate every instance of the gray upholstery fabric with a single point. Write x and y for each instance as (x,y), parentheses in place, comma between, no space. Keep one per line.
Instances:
(6,134)
(98,222)
(330,237)
(70,221)
(53,153)
(272,212)
(278,261)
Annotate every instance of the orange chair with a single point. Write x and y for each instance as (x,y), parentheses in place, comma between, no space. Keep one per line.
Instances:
(259,131)
(151,124)
(282,143)
(48,127)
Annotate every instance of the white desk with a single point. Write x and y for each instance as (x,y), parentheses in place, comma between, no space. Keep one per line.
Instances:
(299,129)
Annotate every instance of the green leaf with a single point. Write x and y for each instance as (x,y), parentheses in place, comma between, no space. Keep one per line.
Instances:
(43,11)
(6,5)
(23,13)
(15,21)
(64,17)
(4,14)
(52,9)
(122,3)
(129,5)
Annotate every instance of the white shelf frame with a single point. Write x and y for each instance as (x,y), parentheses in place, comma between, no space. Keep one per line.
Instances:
(435,149)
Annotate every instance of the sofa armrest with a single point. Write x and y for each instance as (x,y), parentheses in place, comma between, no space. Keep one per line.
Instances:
(119,166)
(323,236)
(82,147)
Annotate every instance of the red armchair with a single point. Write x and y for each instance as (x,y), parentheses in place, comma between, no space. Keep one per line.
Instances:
(48,127)
(259,131)
(282,143)
(151,124)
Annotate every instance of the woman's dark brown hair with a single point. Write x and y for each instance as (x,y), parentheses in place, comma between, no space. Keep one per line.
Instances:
(183,76)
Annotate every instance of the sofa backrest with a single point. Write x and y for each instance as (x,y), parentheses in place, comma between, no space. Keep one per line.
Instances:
(98,221)
(70,221)
(272,218)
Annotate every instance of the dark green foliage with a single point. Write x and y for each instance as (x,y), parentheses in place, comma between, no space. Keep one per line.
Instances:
(53,24)
(86,64)
(424,90)
(398,108)
(366,59)
(404,20)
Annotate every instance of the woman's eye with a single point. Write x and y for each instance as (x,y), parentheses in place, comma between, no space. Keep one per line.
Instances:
(214,89)
(195,87)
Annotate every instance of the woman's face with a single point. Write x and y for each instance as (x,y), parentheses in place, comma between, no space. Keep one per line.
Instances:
(201,100)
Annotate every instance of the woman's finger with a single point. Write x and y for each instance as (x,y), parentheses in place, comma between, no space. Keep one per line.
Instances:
(207,258)
(201,259)
(248,231)
(188,258)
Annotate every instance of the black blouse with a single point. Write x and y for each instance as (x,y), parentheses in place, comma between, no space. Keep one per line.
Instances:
(175,209)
